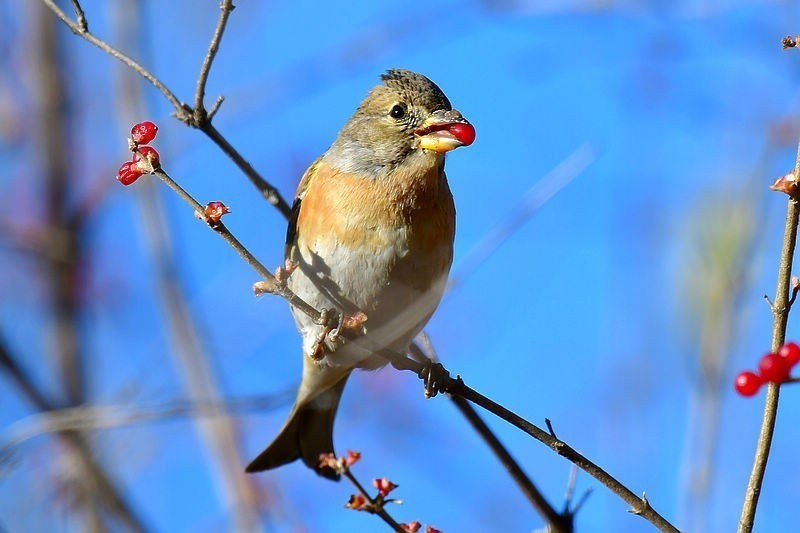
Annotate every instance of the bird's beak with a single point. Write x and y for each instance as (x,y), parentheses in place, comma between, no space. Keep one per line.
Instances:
(445,130)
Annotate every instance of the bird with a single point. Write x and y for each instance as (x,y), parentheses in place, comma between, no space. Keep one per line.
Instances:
(370,237)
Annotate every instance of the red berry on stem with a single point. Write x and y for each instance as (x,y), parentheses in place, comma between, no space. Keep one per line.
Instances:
(214,212)
(791,352)
(150,154)
(747,383)
(144,132)
(774,368)
(465,133)
(128,173)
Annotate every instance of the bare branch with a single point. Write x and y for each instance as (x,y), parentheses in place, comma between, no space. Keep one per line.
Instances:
(558,522)
(183,112)
(639,506)
(82,25)
(225,10)
(78,447)
(215,107)
(269,192)
(375,506)
(94,417)
(781,314)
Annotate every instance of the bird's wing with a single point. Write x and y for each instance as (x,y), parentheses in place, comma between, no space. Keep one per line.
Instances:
(291,230)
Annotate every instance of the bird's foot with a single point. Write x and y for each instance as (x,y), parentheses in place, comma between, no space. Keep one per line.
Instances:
(353,323)
(435,377)
(325,320)
(334,323)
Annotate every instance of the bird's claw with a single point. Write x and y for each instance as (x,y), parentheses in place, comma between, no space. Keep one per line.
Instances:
(329,335)
(435,376)
(353,323)
(318,348)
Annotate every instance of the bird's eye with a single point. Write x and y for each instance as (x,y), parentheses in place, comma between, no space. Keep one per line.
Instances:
(398,111)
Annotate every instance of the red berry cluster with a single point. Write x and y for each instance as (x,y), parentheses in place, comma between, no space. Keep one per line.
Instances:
(772,368)
(141,134)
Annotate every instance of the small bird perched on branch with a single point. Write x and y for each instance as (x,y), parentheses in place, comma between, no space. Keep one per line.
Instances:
(370,238)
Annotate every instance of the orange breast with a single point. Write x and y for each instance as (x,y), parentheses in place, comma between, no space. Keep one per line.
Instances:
(342,210)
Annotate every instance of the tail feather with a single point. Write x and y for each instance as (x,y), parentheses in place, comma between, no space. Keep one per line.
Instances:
(307,434)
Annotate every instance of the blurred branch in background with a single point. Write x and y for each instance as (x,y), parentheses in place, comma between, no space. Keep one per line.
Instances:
(537,196)
(723,231)
(91,484)
(91,487)
(93,417)
(191,357)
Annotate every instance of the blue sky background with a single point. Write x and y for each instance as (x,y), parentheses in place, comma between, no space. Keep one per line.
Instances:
(582,316)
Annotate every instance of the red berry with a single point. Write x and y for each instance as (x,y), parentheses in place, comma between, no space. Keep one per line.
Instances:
(465,133)
(791,352)
(128,173)
(774,368)
(144,132)
(214,211)
(747,383)
(150,154)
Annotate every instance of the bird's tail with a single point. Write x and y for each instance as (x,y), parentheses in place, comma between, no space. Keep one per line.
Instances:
(306,435)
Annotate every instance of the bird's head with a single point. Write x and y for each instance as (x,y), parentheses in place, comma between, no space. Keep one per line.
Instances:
(407,114)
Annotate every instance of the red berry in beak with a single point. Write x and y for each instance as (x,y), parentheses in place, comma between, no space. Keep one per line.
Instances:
(144,132)
(465,133)
(128,173)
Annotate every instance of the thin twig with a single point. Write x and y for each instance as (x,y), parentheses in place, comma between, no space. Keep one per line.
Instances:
(557,521)
(215,107)
(269,192)
(82,24)
(225,10)
(790,303)
(375,507)
(183,112)
(781,314)
(550,428)
(218,433)
(639,505)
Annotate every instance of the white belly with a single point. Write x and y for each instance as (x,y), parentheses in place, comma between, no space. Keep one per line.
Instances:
(350,280)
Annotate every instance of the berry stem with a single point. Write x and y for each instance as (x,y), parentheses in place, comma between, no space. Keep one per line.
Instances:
(780,313)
